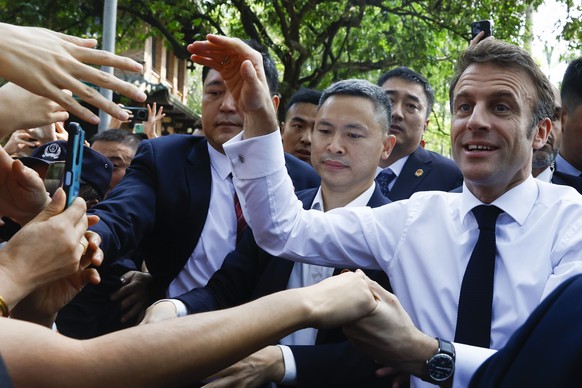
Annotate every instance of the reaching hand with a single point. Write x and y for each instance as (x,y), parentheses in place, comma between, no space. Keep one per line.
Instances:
(388,335)
(150,127)
(21,109)
(46,62)
(264,366)
(242,70)
(22,192)
(42,305)
(134,294)
(159,311)
(50,246)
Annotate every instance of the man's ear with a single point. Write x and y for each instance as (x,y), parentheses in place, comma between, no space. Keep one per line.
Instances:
(276,101)
(389,142)
(541,133)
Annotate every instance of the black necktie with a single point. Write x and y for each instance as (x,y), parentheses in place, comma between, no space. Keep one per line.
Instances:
(383,180)
(476,297)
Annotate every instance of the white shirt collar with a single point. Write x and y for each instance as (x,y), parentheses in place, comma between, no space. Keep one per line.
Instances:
(396,167)
(219,162)
(361,200)
(517,202)
(546,175)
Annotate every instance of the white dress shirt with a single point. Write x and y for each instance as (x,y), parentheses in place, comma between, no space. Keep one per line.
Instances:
(304,275)
(218,236)
(423,243)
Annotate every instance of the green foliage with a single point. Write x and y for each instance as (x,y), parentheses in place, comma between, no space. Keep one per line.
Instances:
(313,42)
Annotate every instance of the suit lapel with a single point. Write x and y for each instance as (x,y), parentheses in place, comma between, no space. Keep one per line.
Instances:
(416,168)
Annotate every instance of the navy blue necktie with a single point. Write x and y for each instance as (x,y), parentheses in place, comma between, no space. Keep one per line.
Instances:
(476,297)
(383,180)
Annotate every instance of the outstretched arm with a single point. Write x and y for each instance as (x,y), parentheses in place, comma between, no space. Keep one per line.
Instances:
(46,62)
(183,349)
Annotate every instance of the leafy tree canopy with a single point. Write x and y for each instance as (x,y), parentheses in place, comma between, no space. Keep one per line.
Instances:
(314,42)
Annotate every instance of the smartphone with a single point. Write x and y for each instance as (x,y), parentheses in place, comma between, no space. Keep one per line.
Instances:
(481,25)
(74,161)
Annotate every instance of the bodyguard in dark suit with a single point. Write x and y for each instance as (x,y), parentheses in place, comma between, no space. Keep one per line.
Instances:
(349,137)
(544,159)
(411,168)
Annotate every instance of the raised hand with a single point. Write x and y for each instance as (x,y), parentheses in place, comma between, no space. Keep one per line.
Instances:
(46,62)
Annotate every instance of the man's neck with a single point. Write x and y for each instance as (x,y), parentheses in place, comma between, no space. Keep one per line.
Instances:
(333,199)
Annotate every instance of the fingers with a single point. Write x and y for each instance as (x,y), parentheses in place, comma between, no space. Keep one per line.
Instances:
(89,43)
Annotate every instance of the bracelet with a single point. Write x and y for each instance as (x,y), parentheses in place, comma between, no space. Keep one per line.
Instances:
(4,308)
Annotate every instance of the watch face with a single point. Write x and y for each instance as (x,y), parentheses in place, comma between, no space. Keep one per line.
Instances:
(441,367)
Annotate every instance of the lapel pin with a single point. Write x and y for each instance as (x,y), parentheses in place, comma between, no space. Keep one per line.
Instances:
(419,172)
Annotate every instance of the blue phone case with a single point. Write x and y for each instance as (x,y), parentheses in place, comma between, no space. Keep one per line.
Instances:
(74,161)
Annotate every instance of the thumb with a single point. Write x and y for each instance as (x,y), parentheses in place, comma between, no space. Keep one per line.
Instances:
(55,206)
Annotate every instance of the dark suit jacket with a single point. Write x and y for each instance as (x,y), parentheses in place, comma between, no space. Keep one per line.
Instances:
(546,350)
(423,171)
(249,272)
(561,178)
(160,206)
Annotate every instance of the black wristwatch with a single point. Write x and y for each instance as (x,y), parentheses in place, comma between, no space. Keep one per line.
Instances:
(441,366)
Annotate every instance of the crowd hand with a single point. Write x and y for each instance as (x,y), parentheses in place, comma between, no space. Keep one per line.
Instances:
(20,143)
(150,127)
(22,192)
(399,379)
(241,68)
(45,62)
(388,335)
(262,367)
(134,294)
(42,305)
(61,133)
(338,300)
(49,248)
(23,109)
(116,123)
(158,312)
(478,38)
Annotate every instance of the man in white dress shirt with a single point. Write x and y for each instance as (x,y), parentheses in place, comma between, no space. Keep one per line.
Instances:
(501,105)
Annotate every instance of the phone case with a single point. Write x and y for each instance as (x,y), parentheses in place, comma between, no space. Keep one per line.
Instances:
(74,161)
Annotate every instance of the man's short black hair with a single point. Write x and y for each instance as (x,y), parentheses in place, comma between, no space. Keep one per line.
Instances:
(306,95)
(572,85)
(116,135)
(412,76)
(271,72)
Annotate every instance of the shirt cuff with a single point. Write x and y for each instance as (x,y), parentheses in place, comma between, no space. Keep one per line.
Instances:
(467,360)
(181,309)
(290,376)
(256,157)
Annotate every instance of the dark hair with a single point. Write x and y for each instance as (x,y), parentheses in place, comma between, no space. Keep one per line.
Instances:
(271,72)
(89,193)
(365,89)
(303,95)
(572,85)
(412,76)
(118,136)
(509,56)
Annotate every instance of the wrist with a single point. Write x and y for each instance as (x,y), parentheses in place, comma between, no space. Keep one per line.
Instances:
(260,122)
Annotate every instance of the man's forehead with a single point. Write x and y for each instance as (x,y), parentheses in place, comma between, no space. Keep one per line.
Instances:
(213,78)
(304,110)
(401,87)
